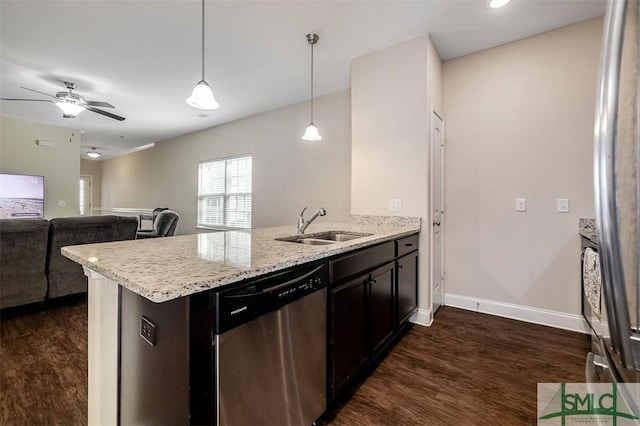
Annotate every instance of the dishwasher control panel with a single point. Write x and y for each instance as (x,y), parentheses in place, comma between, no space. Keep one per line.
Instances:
(258,297)
(309,286)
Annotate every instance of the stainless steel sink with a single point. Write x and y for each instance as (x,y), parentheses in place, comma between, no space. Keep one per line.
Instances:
(339,236)
(312,241)
(324,238)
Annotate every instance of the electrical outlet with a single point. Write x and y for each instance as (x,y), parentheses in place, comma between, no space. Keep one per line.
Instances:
(62,203)
(395,205)
(148,331)
(521,205)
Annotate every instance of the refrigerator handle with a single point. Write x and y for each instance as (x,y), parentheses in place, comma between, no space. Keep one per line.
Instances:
(615,296)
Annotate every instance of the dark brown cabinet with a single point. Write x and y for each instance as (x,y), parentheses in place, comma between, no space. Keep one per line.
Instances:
(407,290)
(381,306)
(372,295)
(348,330)
(361,323)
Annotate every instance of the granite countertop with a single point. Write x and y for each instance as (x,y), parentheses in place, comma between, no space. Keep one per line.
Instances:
(587,228)
(162,269)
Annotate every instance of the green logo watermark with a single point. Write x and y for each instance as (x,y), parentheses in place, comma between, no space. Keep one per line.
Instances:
(588,404)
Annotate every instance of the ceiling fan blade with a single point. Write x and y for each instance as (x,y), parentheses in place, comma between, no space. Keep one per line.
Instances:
(99,104)
(32,100)
(105,113)
(37,91)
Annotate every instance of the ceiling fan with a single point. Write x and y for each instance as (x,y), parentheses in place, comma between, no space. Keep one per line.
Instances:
(71,103)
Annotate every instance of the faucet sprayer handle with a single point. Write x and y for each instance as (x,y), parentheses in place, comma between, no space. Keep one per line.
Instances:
(302,212)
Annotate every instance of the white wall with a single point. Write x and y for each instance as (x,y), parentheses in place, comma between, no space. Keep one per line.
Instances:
(59,164)
(519,124)
(392,93)
(288,173)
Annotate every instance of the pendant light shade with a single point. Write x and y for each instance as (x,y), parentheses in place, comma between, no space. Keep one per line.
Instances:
(202,95)
(311,133)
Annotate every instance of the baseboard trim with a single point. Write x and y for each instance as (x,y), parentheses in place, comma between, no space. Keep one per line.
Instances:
(422,317)
(518,312)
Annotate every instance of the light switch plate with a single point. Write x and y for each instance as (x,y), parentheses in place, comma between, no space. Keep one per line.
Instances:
(521,205)
(563,205)
(395,205)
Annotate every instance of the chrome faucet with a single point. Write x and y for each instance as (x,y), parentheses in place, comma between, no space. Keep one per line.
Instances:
(303,223)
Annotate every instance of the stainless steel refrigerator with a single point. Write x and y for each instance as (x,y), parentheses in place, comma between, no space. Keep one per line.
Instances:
(617,189)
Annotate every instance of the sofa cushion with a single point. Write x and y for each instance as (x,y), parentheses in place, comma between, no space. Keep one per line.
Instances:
(23,255)
(66,276)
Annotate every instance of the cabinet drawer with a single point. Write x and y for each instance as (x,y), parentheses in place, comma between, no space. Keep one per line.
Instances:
(406,245)
(361,261)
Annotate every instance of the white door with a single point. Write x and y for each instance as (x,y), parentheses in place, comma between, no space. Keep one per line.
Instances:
(86,193)
(437,210)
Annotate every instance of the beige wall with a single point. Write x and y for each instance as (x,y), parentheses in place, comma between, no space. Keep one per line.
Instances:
(519,124)
(288,173)
(59,164)
(392,93)
(93,168)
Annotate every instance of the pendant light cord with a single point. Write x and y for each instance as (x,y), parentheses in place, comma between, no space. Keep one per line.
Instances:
(203,40)
(312,81)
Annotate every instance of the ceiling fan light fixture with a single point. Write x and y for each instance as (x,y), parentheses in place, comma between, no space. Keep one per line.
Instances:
(69,109)
(93,153)
(202,97)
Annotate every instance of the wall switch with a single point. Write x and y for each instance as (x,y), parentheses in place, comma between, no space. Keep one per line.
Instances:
(148,331)
(563,205)
(395,205)
(521,205)
(62,203)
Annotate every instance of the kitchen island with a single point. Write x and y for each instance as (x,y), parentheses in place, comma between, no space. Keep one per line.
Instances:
(161,273)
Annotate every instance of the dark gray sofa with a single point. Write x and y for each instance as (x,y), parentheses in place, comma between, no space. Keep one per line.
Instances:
(23,259)
(31,264)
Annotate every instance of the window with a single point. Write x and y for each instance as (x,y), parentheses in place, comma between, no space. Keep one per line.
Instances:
(224,193)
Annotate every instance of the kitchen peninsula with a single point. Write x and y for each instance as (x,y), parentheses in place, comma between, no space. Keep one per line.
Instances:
(156,311)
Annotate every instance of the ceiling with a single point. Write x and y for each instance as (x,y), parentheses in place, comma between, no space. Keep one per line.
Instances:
(143,56)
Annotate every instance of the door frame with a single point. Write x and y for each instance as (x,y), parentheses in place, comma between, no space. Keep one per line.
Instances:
(90,179)
(436,112)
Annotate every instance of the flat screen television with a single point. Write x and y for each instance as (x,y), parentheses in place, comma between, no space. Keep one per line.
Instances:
(21,196)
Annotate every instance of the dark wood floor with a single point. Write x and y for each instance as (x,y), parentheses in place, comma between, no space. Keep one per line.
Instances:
(43,367)
(466,369)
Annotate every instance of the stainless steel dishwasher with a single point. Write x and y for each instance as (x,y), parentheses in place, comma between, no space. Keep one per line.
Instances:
(270,349)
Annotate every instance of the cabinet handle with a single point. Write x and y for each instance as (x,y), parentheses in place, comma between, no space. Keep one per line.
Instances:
(372,281)
(399,266)
(409,245)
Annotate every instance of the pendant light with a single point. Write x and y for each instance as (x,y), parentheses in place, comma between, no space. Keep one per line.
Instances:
(311,133)
(202,95)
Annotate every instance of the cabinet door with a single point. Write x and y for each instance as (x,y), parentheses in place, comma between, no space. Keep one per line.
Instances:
(407,286)
(381,305)
(348,331)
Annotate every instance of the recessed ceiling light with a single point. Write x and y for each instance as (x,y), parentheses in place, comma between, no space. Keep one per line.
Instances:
(494,4)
